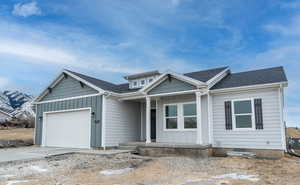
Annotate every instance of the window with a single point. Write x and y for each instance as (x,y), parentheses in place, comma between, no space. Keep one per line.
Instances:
(150,80)
(134,84)
(180,116)
(190,116)
(243,114)
(171,116)
(143,82)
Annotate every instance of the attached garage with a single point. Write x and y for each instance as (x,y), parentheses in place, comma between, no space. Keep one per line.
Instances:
(70,128)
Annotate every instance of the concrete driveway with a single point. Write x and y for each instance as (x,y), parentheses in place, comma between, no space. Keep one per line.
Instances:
(35,153)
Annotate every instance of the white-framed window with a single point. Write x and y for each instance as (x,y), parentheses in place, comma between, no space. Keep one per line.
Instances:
(180,116)
(243,114)
(143,82)
(190,115)
(171,116)
(150,80)
(135,84)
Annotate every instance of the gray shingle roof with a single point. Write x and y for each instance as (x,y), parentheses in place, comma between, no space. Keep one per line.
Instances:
(256,77)
(205,75)
(121,88)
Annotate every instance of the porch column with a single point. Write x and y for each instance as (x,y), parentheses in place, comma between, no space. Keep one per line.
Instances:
(148,124)
(199,124)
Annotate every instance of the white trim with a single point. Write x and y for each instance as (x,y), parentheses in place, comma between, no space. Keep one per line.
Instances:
(61,111)
(210,118)
(70,98)
(148,120)
(249,87)
(35,122)
(217,78)
(252,115)
(174,93)
(103,144)
(282,125)
(180,117)
(199,139)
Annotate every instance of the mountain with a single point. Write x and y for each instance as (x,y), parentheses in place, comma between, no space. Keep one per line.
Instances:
(17,104)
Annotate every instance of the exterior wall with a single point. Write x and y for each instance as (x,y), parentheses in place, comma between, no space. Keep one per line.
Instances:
(68,87)
(180,136)
(267,138)
(3,117)
(95,102)
(143,118)
(122,122)
(171,86)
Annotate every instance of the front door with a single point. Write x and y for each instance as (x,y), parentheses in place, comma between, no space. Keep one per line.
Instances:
(153,124)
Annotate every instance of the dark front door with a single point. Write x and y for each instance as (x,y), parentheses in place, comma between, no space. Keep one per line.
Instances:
(153,124)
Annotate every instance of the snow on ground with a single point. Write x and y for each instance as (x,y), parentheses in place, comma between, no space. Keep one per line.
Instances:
(16,182)
(116,172)
(38,169)
(238,176)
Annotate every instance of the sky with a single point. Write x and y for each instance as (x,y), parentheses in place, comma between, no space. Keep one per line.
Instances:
(110,39)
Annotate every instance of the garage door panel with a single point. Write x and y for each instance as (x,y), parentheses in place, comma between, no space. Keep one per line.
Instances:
(68,129)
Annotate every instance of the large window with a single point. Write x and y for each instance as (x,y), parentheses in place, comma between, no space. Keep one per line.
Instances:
(190,116)
(171,116)
(243,114)
(181,116)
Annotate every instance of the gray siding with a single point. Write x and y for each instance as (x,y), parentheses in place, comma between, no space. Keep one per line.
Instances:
(122,121)
(95,102)
(68,87)
(171,86)
(267,138)
(180,136)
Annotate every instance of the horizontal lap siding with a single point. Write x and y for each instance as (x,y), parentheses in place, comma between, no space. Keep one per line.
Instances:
(95,102)
(179,136)
(173,85)
(256,139)
(122,121)
(68,87)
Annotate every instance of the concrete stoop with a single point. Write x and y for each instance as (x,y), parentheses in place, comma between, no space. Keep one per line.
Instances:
(168,149)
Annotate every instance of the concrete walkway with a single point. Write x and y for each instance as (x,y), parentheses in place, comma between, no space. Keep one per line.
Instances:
(36,153)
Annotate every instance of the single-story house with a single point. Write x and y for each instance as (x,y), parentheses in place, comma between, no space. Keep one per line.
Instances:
(4,115)
(213,107)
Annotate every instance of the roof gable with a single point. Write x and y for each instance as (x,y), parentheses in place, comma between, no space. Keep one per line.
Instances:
(171,85)
(205,75)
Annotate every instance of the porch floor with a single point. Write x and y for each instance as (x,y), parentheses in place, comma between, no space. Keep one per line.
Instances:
(166,145)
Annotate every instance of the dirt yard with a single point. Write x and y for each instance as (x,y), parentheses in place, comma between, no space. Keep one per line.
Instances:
(127,169)
(16,134)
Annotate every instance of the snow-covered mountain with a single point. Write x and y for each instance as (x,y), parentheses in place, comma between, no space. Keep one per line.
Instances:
(17,103)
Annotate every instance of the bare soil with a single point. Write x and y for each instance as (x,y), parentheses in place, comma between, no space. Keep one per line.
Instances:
(16,133)
(293,132)
(86,169)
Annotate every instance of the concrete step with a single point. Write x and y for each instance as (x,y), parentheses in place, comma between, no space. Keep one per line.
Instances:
(123,147)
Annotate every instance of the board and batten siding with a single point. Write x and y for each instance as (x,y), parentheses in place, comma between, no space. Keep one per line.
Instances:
(68,87)
(94,102)
(267,138)
(172,85)
(122,121)
(180,136)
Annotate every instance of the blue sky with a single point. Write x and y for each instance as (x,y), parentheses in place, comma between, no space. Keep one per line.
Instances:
(109,39)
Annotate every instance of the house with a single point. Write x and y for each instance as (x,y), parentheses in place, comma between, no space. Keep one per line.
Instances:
(4,115)
(214,107)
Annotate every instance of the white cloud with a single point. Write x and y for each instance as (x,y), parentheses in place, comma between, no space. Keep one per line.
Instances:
(292,28)
(26,9)
(4,82)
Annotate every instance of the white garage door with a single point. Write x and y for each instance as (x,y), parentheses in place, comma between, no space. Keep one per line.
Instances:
(67,129)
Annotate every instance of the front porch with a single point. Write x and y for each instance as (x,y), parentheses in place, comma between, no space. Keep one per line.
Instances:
(157,149)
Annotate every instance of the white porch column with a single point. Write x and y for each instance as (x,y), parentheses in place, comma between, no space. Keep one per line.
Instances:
(148,120)
(199,122)
(210,118)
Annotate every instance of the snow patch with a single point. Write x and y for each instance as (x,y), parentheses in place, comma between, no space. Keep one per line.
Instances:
(6,176)
(16,181)
(38,169)
(116,172)
(238,176)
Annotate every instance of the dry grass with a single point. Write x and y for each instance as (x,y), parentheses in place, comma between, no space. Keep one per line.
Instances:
(16,134)
(293,132)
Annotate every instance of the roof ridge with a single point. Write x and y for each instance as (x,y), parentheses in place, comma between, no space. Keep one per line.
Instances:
(91,77)
(258,69)
(207,70)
